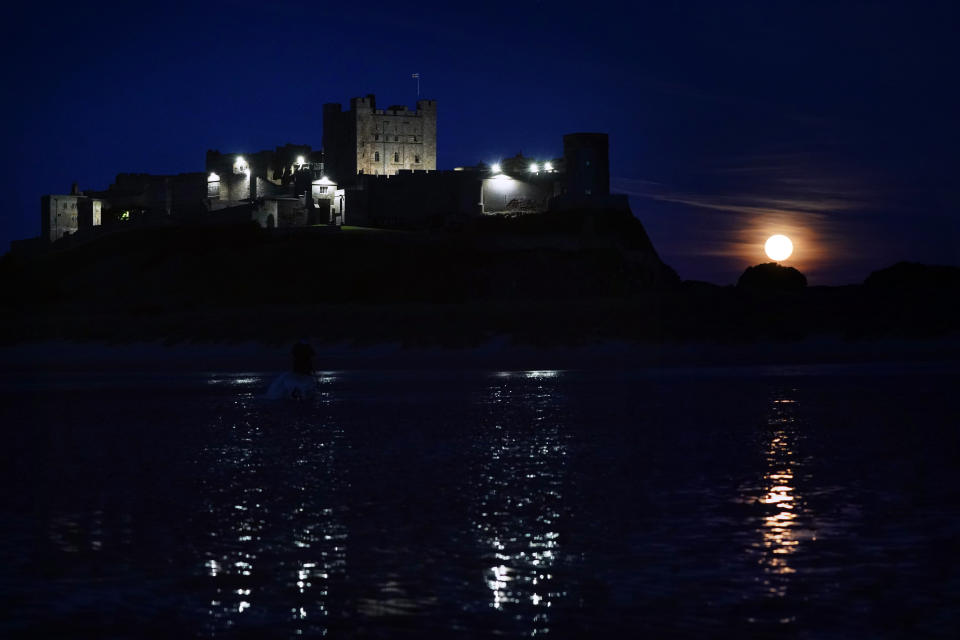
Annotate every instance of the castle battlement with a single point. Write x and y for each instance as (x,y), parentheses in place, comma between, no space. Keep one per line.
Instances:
(380,162)
(370,141)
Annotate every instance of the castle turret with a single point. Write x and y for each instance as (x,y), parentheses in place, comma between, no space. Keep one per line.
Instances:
(587,158)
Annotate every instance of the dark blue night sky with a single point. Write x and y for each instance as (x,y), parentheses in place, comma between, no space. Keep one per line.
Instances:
(833,122)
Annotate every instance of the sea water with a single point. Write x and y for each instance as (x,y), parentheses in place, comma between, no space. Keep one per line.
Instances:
(810,502)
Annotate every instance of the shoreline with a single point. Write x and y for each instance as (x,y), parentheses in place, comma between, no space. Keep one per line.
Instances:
(495,354)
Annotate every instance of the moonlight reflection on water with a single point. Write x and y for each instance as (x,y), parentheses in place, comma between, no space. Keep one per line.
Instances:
(521,494)
(276,539)
(565,503)
(780,530)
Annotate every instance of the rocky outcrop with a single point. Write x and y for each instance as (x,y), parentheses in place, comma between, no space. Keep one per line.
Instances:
(771,276)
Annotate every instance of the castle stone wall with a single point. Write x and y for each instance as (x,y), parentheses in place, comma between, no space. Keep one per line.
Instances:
(413,199)
(503,194)
(61,215)
(587,158)
(375,141)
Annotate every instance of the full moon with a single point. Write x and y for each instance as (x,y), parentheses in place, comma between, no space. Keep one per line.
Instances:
(778,247)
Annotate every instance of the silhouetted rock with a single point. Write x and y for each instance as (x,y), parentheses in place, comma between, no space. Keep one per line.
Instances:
(915,276)
(771,276)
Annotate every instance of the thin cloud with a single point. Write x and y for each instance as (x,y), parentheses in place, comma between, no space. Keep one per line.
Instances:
(740,205)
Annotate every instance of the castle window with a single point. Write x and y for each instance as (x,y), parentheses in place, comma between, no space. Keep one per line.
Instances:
(396,138)
(376,156)
(396,157)
(416,158)
(376,136)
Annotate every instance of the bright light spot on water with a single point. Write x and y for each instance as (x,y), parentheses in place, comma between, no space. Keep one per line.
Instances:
(778,533)
(542,374)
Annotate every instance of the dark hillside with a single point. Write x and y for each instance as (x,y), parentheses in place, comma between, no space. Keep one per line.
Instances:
(566,279)
(187,268)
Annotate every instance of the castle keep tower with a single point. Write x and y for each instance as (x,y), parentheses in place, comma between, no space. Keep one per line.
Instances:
(587,157)
(378,141)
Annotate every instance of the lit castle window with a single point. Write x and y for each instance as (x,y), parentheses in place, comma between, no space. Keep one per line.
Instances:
(213,186)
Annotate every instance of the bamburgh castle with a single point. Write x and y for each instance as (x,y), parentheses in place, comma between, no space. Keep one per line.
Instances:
(377,167)
(370,141)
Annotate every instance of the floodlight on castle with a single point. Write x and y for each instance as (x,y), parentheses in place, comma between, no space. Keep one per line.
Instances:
(502,183)
(240,165)
(362,148)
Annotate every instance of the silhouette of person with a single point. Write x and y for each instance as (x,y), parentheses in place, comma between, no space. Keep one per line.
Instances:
(303,354)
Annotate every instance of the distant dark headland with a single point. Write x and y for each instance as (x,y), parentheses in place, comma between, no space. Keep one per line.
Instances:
(772,277)
(569,277)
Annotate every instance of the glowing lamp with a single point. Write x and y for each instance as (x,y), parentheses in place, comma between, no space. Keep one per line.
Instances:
(213,177)
(548,166)
(495,167)
(534,168)
(300,160)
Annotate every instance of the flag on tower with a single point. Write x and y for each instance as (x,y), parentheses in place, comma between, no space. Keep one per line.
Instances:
(415,75)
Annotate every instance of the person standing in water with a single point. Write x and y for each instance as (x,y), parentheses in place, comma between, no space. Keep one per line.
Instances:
(298,383)
(303,354)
